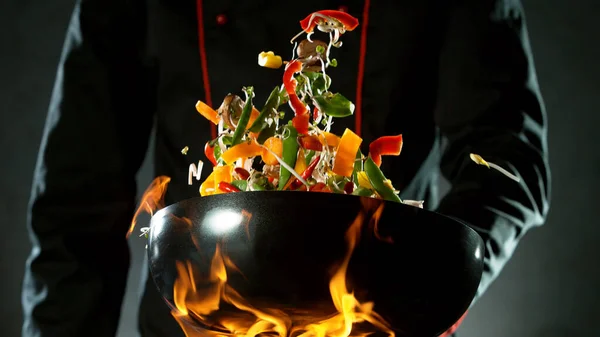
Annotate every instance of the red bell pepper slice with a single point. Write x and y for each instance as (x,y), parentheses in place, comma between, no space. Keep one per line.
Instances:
(349,22)
(316,113)
(301,122)
(385,146)
(209,152)
(317,187)
(301,119)
(289,82)
(310,142)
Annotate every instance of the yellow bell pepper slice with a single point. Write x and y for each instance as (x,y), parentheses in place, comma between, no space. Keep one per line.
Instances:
(242,150)
(208,186)
(299,167)
(363,180)
(300,162)
(343,163)
(222,173)
(269,60)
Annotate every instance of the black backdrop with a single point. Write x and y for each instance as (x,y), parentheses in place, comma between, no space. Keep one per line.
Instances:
(549,289)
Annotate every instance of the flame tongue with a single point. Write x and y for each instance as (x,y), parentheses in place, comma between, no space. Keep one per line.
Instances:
(209,301)
(152,199)
(350,310)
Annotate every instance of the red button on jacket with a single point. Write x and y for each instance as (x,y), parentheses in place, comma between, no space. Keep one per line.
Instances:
(221,19)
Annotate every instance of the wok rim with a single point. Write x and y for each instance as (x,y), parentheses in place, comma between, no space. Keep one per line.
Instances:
(289,194)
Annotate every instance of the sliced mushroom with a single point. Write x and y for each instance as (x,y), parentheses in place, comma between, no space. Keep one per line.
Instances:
(271,171)
(307,51)
(231,110)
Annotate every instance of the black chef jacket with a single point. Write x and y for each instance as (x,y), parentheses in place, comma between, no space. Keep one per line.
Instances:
(453,77)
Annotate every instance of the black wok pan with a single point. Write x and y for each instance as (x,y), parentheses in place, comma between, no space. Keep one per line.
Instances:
(286,244)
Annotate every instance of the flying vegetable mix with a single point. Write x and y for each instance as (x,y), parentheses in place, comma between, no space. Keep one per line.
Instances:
(259,150)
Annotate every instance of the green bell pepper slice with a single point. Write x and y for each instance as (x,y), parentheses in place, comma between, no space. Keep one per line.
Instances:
(217,152)
(334,105)
(358,166)
(289,155)
(262,184)
(308,156)
(377,180)
(244,118)
(241,184)
(319,82)
(363,192)
(266,133)
(271,105)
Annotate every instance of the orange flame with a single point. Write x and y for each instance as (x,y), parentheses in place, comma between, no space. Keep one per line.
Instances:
(374,225)
(350,310)
(202,300)
(201,303)
(152,199)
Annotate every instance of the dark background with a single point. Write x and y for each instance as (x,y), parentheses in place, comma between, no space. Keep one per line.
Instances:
(549,289)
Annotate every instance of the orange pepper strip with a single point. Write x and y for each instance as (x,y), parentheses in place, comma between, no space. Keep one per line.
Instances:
(242,150)
(329,139)
(349,145)
(274,144)
(208,112)
(253,116)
